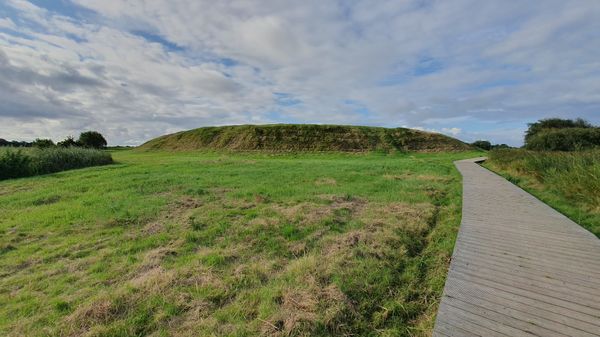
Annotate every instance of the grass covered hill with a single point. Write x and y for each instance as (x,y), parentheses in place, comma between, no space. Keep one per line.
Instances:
(295,137)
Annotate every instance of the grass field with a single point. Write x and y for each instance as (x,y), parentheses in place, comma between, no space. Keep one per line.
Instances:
(216,244)
(567,181)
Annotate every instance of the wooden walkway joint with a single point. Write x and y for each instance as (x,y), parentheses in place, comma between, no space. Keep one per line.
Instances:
(519,267)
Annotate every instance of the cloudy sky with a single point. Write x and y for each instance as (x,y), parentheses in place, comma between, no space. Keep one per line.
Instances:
(136,69)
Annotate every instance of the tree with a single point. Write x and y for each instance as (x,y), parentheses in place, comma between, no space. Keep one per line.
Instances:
(500,146)
(482,144)
(566,139)
(553,123)
(92,139)
(43,143)
(68,142)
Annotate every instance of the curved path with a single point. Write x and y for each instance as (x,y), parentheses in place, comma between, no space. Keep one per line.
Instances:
(519,267)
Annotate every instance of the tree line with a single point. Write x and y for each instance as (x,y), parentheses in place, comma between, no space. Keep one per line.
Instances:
(555,134)
(87,139)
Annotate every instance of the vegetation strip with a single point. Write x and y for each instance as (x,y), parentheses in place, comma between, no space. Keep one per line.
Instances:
(25,162)
(567,181)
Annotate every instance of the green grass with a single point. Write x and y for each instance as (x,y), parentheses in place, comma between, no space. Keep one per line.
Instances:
(567,181)
(213,244)
(25,162)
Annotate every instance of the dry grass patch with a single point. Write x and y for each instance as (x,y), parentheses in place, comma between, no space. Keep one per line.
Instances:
(413,176)
(325,181)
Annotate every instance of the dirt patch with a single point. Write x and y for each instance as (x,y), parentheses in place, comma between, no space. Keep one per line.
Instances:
(176,211)
(310,212)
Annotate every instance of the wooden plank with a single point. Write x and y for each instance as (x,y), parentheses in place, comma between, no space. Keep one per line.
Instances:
(477,261)
(519,268)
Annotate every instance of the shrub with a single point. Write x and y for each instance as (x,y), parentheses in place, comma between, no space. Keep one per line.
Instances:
(43,143)
(569,139)
(14,164)
(92,139)
(554,123)
(18,163)
(68,142)
(482,144)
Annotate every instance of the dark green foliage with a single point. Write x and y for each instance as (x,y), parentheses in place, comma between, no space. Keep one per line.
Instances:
(68,142)
(305,137)
(482,144)
(553,123)
(14,143)
(92,139)
(14,164)
(19,163)
(570,139)
(43,143)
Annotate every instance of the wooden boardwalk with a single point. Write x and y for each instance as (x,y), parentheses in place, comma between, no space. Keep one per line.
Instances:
(519,268)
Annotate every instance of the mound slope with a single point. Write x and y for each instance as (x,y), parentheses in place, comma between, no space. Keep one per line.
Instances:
(295,137)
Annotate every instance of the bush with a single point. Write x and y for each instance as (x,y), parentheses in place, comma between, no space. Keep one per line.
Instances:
(554,123)
(570,139)
(14,164)
(482,144)
(19,163)
(43,143)
(68,142)
(92,139)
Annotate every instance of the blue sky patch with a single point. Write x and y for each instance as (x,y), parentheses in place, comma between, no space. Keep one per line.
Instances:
(168,45)
(427,65)
(63,7)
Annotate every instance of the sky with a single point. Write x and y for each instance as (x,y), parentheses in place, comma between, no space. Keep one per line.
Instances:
(137,69)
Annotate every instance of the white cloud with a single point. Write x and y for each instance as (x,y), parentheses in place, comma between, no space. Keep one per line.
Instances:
(452,131)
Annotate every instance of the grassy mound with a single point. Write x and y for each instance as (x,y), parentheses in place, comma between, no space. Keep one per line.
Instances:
(294,137)
(16,163)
